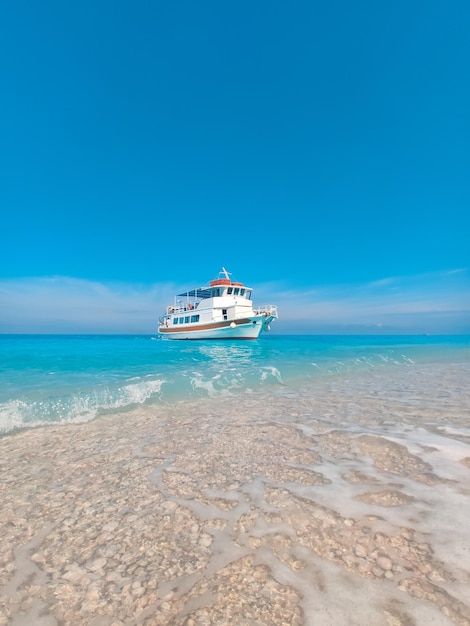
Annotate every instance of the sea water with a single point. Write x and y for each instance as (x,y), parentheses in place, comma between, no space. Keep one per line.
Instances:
(75,378)
(301,480)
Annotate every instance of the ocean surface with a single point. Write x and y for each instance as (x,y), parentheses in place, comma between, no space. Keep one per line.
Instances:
(301,480)
(75,378)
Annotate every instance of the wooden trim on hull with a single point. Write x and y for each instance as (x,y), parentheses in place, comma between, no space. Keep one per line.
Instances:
(245,328)
(214,325)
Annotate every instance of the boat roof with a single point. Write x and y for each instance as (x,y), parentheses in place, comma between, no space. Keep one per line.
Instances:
(206,292)
(202,292)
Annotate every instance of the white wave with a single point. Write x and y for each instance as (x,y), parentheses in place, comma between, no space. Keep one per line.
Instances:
(84,407)
(12,415)
(268,371)
(198,383)
(142,391)
(17,414)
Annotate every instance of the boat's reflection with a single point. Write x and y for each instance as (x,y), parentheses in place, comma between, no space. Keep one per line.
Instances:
(229,353)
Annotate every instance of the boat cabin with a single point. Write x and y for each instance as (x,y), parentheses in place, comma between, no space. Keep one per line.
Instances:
(190,300)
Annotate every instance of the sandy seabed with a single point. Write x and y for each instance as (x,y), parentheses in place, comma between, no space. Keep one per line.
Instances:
(340,505)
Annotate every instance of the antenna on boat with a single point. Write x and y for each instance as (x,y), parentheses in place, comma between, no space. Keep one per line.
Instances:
(227,275)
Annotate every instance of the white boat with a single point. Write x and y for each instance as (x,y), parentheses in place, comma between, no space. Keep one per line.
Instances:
(223,310)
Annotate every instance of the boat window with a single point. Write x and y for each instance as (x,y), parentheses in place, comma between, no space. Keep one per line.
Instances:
(242,292)
(175,320)
(216,291)
(229,290)
(248,294)
(236,291)
(195,318)
(186,320)
(181,320)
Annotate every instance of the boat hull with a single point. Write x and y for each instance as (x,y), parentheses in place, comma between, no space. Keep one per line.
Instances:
(248,328)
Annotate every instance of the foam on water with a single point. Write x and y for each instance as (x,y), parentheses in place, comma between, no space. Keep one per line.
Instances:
(75,405)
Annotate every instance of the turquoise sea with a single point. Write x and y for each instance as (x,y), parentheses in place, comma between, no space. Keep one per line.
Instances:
(76,378)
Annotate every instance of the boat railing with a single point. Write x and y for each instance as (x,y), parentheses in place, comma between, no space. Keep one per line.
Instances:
(183,308)
(268,309)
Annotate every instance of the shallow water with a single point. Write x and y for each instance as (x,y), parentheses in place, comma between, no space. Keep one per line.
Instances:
(60,379)
(316,500)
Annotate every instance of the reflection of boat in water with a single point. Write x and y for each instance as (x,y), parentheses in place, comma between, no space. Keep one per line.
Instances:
(223,310)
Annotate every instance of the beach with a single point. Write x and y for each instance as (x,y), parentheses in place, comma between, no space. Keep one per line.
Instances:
(346,502)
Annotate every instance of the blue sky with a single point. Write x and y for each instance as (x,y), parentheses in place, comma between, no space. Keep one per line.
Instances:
(320,151)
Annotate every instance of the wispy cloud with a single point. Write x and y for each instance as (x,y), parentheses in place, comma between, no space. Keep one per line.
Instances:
(438,302)
(63,304)
(432,302)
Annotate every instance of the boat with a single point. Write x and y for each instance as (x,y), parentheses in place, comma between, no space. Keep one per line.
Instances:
(223,310)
